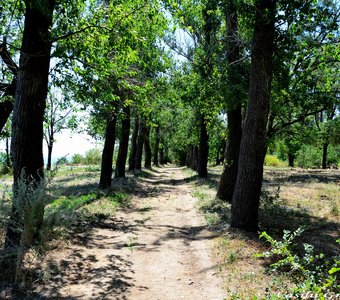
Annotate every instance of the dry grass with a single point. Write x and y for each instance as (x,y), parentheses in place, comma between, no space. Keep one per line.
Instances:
(307,198)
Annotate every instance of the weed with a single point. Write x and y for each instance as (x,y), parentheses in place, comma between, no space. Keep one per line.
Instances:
(312,274)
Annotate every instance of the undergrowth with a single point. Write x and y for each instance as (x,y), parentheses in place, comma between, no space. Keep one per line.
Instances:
(314,275)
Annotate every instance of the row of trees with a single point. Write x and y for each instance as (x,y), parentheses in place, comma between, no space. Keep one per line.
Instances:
(269,67)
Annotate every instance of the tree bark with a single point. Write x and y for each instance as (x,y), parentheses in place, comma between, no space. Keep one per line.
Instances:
(228,179)
(324,155)
(139,147)
(107,155)
(194,161)
(203,150)
(28,113)
(156,147)
(244,213)
(123,143)
(147,148)
(133,148)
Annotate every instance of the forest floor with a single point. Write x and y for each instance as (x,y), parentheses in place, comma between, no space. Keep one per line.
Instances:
(160,234)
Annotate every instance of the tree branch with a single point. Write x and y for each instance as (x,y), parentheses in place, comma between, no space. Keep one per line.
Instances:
(6,57)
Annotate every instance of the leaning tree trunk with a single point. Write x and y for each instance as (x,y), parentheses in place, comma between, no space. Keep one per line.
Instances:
(244,213)
(156,147)
(227,182)
(324,155)
(147,148)
(133,148)
(203,150)
(28,115)
(123,143)
(139,147)
(107,155)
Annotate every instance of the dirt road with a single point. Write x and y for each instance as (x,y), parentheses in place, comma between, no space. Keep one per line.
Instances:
(158,249)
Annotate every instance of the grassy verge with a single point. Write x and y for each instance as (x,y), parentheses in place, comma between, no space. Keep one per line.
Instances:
(291,198)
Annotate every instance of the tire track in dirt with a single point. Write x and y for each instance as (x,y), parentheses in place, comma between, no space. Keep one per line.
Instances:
(158,249)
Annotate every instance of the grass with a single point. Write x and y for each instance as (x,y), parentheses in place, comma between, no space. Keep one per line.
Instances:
(291,198)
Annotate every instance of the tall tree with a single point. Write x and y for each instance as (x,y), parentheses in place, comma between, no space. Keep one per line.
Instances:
(245,204)
(228,178)
(28,112)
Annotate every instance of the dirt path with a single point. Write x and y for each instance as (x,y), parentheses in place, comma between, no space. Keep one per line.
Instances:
(159,249)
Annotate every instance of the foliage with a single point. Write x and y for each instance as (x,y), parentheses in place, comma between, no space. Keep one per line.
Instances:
(310,156)
(313,274)
(273,161)
(77,159)
(92,157)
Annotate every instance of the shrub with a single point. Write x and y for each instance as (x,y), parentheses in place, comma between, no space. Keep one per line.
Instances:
(273,161)
(61,161)
(77,159)
(93,157)
(314,275)
(309,156)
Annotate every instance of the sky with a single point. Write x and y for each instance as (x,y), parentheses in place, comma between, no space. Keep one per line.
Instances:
(67,144)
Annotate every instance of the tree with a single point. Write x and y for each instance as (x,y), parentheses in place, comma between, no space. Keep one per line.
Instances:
(28,112)
(123,142)
(244,213)
(234,114)
(107,155)
(57,118)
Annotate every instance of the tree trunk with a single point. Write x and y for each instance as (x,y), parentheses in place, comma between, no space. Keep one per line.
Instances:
(139,147)
(28,112)
(324,155)
(123,143)
(203,150)
(49,156)
(166,154)
(227,182)
(161,155)
(147,148)
(133,148)
(8,156)
(189,156)
(291,158)
(156,148)
(228,179)
(194,161)
(244,213)
(107,155)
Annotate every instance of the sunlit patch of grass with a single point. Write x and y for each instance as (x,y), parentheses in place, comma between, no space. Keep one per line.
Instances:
(108,204)
(245,276)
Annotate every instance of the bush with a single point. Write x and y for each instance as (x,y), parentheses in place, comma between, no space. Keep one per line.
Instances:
(314,275)
(93,157)
(273,161)
(77,159)
(309,156)
(61,161)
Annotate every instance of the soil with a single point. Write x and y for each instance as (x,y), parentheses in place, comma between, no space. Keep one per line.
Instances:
(160,248)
